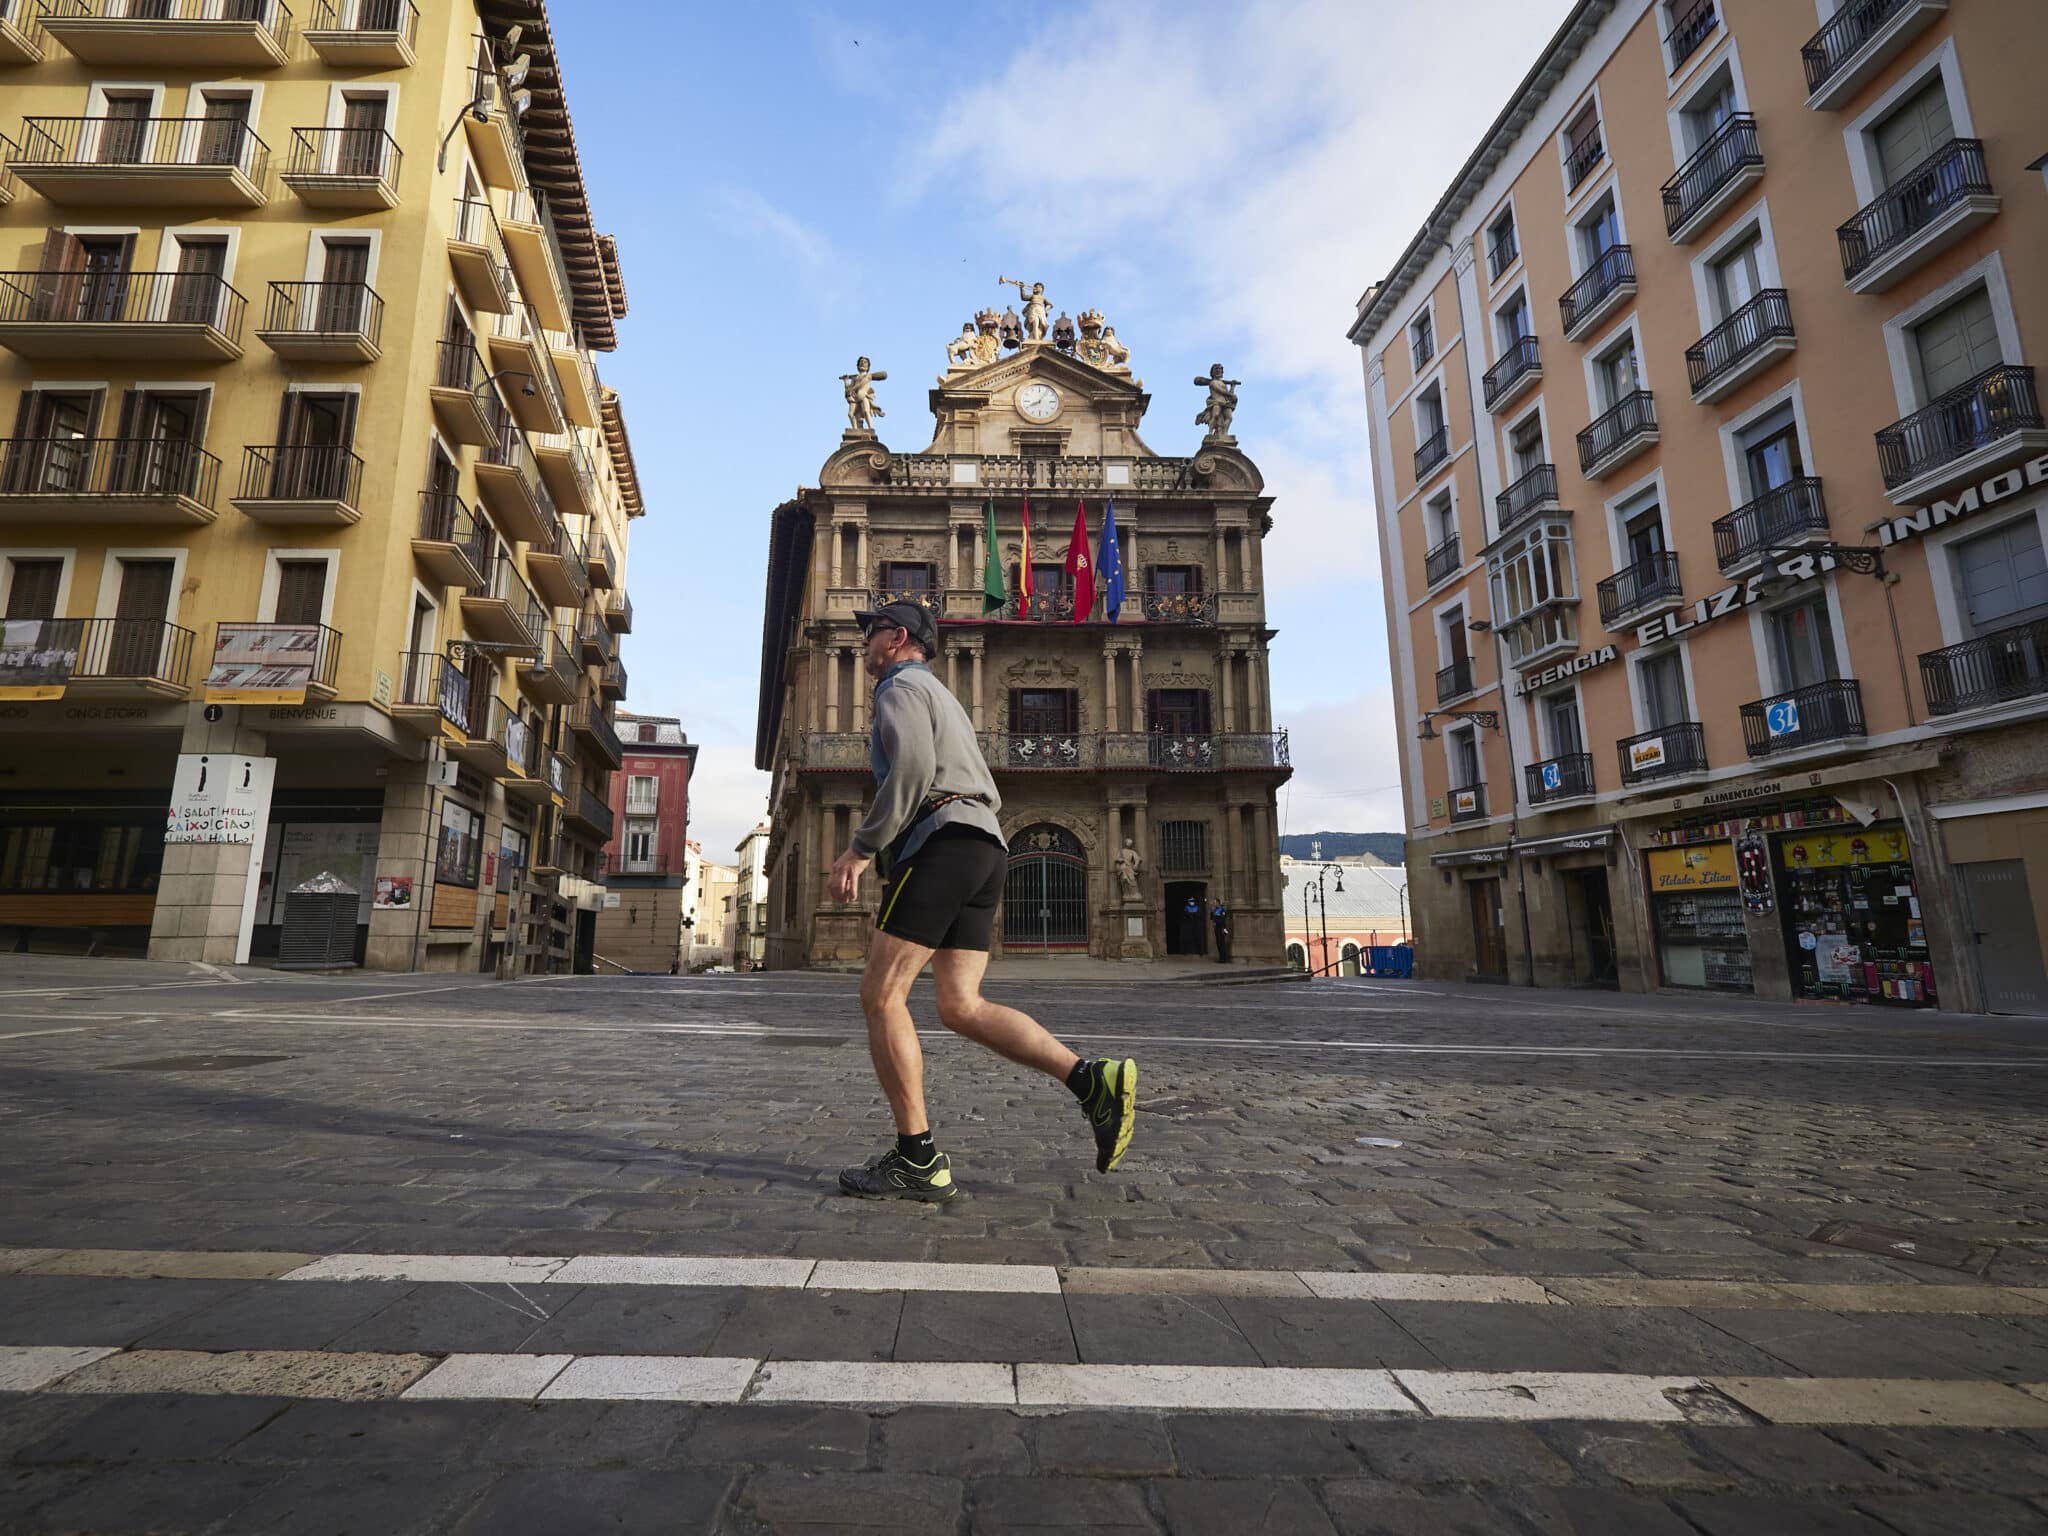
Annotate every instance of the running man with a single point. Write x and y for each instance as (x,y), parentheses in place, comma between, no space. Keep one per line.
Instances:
(943,860)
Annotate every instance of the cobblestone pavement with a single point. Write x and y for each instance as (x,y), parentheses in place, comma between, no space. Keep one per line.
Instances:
(1633,1189)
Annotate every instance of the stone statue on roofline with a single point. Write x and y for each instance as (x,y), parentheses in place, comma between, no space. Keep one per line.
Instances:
(861,409)
(1221,404)
(1037,307)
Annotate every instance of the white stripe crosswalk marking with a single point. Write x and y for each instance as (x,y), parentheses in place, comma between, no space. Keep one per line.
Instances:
(489,1376)
(627,1270)
(1547,1395)
(1244,1388)
(861,1275)
(25,1368)
(884,1382)
(654,1378)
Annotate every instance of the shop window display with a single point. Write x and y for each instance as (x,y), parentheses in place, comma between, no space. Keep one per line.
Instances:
(1696,906)
(1853,927)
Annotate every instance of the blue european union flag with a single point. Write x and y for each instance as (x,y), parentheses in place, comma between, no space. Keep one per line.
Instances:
(1109,560)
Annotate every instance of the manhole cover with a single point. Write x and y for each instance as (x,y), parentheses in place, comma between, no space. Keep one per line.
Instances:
(1974,1258)
(193,1064)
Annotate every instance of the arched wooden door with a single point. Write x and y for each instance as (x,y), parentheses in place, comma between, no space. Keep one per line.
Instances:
(1045,897)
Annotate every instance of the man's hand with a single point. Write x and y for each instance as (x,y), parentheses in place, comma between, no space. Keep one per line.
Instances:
(846,872)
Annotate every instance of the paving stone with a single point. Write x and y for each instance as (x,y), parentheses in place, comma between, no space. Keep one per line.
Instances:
(458,1319)
(1102,1444)
(631,1503)
(1244,1445)
(1985,1299)
(64,1309)
(173,1497)
(1973,1460)
(308,1316)
(25,1490)
(260,1373)
(1600,1512)
(1821,1344)
(1276,1389)
(883,1382)
(857,1275)
(811,1325)
(1546,1395)
(494,1378)
(1658,1340)
(966,1326)
(153,1429)
(390,1501)
(664,1378)
(1781,1456)
(1019,1506)
(1739,1515)
(1324,1333)
(1452,1452)
(1158,1330)
(1366,1508)
(27,1367)
(397,1433)
(583,1434)
(1084,1281)
(1389,1286)
(1885,1400)
(1242,1507)
(962,1442)
(1636,1456)
(627,1319)
(1631,1291)
(159,1264)
(895,1503)
(683,1271)
(1956,1514)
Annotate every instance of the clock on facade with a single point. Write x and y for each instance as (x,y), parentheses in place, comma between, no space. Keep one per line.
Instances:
(1041,402)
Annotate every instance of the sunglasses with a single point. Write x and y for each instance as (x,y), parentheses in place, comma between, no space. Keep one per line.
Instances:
(882,629)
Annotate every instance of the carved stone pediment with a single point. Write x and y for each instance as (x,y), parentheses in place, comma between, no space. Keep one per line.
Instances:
(862,463)
(1177,680)
(1042,672)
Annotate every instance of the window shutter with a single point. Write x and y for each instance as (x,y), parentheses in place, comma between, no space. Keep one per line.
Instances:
(57,272)
(1014,706)
(32,594)
(22,459)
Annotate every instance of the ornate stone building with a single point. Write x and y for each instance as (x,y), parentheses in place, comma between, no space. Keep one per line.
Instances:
(1152,728)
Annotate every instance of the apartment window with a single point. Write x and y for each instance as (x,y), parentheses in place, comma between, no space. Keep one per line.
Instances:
(1912,131)
(125,131)
(908,576)
(1584,147)
(1441,521)
(1600,231)
(361,150)
(301,591)
(1736,276)
(1525,444)
(1802,643)
(200,288)
(640,790)
(32,588)
(1642,534)
(1503,245)
(1532,569)
(1955,344)
(2003,578)
(1429,413)
(1178,711)
(1451,636)
(1770,452)
(1463,744)
(1174,580)
(1662,678)
(1043,711)
(1709,109)
(1560,714)
(1618,374)
(1512,321)
(639,842)
(1422,339)
(224,133)
(144,602)
(649,733)
(458,851)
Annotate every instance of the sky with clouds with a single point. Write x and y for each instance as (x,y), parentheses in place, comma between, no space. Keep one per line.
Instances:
(795,185)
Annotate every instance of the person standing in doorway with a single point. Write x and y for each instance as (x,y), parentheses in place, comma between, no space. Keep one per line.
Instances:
(1219,921)
(933,834)
(1191,927)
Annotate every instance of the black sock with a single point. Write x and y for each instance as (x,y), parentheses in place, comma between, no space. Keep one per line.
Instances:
(920,1149)
(1082,1080)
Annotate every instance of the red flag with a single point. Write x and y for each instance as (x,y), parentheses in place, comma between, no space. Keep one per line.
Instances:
(1080,571)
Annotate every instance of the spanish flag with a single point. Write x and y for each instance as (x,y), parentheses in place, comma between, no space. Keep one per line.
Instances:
(1024,588)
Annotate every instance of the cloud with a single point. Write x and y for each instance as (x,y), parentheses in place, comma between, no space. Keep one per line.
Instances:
(1347,773)
(744,212)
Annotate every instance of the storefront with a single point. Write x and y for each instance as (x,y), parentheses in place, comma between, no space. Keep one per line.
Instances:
(1696,916)
(314,832)
(1851,913)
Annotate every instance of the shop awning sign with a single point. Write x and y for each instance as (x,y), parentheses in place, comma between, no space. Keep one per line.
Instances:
(1585,661)
(1781,717)
(1706,867)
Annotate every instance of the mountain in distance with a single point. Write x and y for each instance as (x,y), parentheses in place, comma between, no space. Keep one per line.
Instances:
(1385,846)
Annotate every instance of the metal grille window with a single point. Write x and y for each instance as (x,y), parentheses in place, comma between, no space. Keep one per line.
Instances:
(1184,846)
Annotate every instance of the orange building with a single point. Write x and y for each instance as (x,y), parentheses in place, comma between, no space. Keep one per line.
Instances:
(1711,475)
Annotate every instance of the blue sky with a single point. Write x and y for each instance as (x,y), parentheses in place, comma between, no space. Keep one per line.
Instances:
(795,185)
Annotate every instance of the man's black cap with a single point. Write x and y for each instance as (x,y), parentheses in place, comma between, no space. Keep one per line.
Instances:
(914,617)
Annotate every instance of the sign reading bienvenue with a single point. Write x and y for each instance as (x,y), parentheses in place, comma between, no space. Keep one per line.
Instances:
(1584,662)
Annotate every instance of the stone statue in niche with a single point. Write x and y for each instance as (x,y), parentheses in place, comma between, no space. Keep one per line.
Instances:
(1128,863)
(861,409)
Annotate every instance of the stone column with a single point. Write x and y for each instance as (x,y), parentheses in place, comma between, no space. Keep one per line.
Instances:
(952,555)
(1255,701)
(977,711)
(831,688)
(1261,853)
(1219,580)
(1226,679)
(838,555)
(1138,833)
(980,553)
(1233,852)
(1109,716)
(1114,889)
(828,850)
(860,576)
(860,694)
(1134,658)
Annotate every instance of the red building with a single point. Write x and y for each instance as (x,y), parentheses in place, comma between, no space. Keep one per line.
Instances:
(639,925)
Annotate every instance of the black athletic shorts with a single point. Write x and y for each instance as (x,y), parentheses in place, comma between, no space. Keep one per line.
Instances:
(944,896)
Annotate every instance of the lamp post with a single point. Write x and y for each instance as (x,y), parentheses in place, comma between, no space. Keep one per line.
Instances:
(1323,902)
(1486,627)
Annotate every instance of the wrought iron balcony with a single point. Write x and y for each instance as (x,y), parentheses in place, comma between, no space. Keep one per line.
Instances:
(602,563)
(590,722)
(1669,752)
(618,613)
(1502,251)
(1618,435)
(1971,427)
(309,653)
(1569,777)
(1520,366)
(530,242)
(1583,156)
(554,675)
(1442,561)
(363,34)
(502,611)
(106,480)
(1859,40)
(496,143)
(509,485)
(930,599)
(558,572)
(1923,213)
(618,864)
(1689,30)
(431,692)
(1160,607)
(179,162)
(476,252)
(612,681)
(1741,346)
(1729,160)
(519,351)
(595,642)
(1042,749)
(323,322)
(139,659)
(1454,681)
(1996,668)
(351,168)
(1600,290)
(1421,347)
(158,316)
(1789,514)
(591,814)
(1830,711)
(10,185)
(1533,493)
(453,544)
(178,33)
(1467,802)
(459,394)
(1433,450)
(1635,589)
(301,483)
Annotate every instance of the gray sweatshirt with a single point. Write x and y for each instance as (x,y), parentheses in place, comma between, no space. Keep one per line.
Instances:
(922,744)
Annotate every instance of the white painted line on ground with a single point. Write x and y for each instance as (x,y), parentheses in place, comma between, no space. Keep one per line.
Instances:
(501,1377)
(862,1275)
(26,1368)
(1547,1395)
(109,986)
(736,1027)
(627,1270)
(1246,1388)
(221,973)
(655,1378)
(468,1269)
(882,1381)
(1399,1048)
(1335,1285)
(37,1034)
(1886,1400)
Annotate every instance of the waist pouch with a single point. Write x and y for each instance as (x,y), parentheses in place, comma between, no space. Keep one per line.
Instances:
(888,858)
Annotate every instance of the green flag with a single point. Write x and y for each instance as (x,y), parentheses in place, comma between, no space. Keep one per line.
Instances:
(993,594)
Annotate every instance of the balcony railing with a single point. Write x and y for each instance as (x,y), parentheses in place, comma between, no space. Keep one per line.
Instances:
(592,722)
(1454,681)
(1042,749)
(616,863)
(22,18)
(595,642)
(1633,416)
(1611,271)
(1633,588)
(1729,151)
(1520,358)
(1752,329)
(618,613)
(1944,180)
(612,680)
(1074,472)
(271,15)
(288,655)
(1689,30)
(1847,31)
(1995,668)
(1830,711)
(1468,802)
(1533,490)
(929,598)
(1421,347)
(429,680)
(157,142)
(121,298)
(1665,753)
(396,16)
(1995,404)
(1441,561)
(593,813)
(314,310)
(1433,450)
(1502,251)
(445,520)
(301,472)
(148,652)
(112,468)
(1163,607)
(1582,157)
(1790,512)
(352,153)
(10,186)
(1559,778)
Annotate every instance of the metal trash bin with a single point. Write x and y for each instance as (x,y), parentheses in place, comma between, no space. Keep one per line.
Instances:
(319,925)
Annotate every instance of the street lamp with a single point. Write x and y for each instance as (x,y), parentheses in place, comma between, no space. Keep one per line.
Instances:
(1322,901)
(1487,627)
(479,107)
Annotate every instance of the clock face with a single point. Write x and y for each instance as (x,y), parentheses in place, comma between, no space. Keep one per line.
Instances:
(1041,402)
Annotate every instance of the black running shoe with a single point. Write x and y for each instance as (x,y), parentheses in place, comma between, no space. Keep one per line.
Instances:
(1112,1108)
(892,1176)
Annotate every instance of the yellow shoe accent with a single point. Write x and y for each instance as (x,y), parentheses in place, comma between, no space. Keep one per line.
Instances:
(942,1178)
(1127,1108)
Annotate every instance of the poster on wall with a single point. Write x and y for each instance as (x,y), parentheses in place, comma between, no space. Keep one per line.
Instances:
(38,656)
(1706,867)
(1835,958)
(262,663)
(394,893)
(219,797)
(1835,850)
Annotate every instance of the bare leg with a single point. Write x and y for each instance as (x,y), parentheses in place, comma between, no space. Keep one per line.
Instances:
(893,964)
(1005,1031)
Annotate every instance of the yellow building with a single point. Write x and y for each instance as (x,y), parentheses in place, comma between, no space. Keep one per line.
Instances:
(1712,482)
(313,509)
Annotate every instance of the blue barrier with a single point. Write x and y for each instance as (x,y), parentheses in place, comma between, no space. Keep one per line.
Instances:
(1390,960)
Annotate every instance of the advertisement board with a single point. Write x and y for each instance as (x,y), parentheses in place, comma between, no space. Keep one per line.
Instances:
(262,663)
(1706,867)
(219,797)
(38,656)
